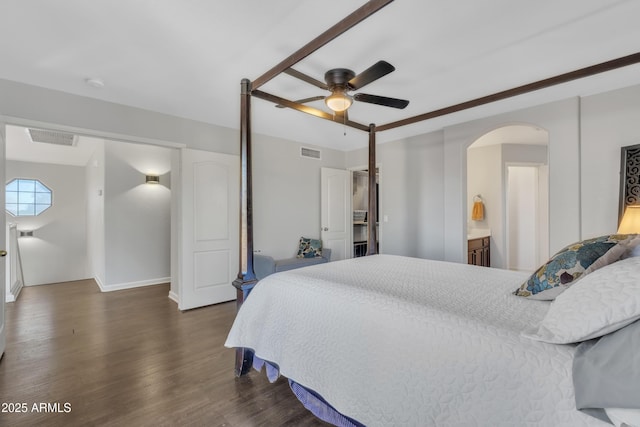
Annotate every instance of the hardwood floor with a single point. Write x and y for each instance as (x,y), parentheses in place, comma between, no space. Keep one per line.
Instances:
(130,358)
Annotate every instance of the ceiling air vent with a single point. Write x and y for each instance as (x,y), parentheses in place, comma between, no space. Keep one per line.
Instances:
(53,137)
(310,153)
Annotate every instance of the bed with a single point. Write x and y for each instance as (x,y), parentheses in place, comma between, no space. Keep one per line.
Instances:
(389,340)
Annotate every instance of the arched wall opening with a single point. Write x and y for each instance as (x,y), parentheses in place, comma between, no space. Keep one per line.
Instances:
(507,171)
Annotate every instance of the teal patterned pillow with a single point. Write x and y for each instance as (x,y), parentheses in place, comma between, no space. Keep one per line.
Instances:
(574,262)
(309,248)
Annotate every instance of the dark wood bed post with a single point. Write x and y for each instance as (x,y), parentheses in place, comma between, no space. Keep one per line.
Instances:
(246,279)
(372,238)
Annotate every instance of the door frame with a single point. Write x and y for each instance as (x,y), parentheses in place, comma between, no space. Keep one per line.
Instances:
(325,218)
(175,178)
(361,168)
(3,240)
(541,244)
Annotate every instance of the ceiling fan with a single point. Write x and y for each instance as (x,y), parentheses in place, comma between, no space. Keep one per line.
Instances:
(342,80)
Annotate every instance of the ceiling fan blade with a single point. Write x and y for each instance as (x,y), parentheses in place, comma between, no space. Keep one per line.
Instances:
(298,75)
(381,100)
(304,101)
(371,74)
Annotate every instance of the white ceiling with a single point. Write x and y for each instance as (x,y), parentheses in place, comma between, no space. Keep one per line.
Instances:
(20,147)
(187,57)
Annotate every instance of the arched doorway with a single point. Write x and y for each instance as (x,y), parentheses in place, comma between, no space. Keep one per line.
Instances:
(508,169)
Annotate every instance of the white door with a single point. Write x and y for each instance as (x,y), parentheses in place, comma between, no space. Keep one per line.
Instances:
(2,242)
(522,218)
(335,212)
(209,218)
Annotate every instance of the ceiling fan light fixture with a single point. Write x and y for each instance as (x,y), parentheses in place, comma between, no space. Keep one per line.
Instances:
(338,101)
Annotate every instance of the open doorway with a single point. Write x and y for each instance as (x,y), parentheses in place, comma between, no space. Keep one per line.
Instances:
(360,208)
(104,222)
(360,205)
(488,161)
(527,221)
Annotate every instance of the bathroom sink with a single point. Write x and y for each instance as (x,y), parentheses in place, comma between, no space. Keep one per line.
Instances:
(477,233)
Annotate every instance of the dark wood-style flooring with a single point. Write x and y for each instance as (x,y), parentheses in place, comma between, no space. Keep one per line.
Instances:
(130,358)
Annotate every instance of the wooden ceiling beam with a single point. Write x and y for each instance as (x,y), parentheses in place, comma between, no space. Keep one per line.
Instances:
(341,27)
(309,110)
(520,90)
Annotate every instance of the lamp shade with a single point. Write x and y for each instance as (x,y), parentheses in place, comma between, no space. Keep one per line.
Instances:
(630,220)
(338,101)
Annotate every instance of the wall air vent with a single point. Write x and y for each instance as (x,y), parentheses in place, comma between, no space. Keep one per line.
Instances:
(310,153)
(53,137)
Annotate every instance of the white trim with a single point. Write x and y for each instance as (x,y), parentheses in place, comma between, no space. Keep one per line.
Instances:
(3,342)
(131,285)
(13,265)
(173,297)
(380,230)
(14,291)
(99,283)
(17,288)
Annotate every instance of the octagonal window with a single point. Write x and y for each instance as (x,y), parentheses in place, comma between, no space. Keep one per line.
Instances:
(27,197)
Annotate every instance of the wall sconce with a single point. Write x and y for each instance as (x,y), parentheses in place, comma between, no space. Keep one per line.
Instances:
(630,221)
(26,233)
(153,179)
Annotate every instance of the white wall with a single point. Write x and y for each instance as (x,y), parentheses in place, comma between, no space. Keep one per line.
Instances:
(411,194)
(423,186)
(426,173)
(286,186)
(609,121)
(585,136)
(486,168)
(484,177)
(561,119)
(20,102)
(95,171)
(57,251)
(286,194)
(137,216)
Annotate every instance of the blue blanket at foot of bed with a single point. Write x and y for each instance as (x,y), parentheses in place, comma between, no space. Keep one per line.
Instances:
(309,398)
(320,408)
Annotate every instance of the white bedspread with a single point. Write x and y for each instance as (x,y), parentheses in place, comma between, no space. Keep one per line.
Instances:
(396,341)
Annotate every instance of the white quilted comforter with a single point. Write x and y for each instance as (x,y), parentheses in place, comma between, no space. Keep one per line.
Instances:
(396,341)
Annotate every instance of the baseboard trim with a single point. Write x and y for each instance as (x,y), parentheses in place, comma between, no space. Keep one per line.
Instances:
(14,291)
(99,283)
(131,285)
(173,297)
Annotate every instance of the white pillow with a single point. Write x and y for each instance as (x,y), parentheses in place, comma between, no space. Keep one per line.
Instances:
(600,303)
(634,250)
(623,417)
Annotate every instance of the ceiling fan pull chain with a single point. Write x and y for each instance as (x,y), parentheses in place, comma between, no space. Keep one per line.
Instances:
(344,122)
